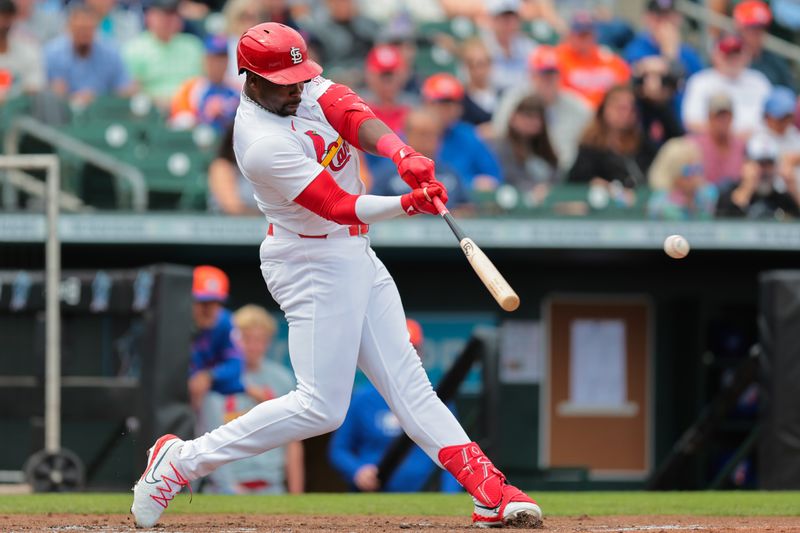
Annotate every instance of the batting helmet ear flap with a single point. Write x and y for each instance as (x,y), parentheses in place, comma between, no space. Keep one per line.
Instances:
(277,53)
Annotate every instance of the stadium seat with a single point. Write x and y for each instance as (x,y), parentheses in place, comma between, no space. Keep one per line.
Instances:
(460,28)
(106,109)
(176,179)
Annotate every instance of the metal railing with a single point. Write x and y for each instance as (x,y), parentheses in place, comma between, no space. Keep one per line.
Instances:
(708,18)
(50,135)
(51,164)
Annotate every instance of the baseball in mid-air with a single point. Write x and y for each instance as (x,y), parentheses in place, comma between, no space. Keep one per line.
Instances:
(676,246)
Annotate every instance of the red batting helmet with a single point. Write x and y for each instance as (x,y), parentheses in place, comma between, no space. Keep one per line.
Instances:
(276,52)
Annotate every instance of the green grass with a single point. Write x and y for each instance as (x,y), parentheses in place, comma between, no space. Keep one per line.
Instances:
(553,504)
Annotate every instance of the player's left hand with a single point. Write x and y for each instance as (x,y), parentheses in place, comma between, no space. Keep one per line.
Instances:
(413,167)
(443,195)
(421,200)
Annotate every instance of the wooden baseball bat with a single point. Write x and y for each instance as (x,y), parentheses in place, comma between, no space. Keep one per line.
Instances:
(483,266)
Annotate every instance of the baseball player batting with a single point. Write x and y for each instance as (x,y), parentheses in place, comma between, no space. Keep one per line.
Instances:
(294,136)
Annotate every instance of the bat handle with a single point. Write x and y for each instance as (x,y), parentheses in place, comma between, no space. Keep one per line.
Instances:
(440,206)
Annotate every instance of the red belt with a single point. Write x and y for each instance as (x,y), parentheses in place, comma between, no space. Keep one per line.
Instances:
(354,231)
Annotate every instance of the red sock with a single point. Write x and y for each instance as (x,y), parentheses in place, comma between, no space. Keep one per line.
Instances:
(476,473)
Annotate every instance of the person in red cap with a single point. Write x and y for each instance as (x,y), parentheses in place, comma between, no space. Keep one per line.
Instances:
(461,147)
(753,18)
(295,134)
(216,363)
(747,88)
(368,432)
(567,113)
(386,74)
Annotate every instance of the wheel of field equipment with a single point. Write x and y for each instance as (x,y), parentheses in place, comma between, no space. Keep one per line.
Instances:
(60,471)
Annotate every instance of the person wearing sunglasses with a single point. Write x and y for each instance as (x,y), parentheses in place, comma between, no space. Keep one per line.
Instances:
(656,85)
(779,115)
(761,193)
(684,194)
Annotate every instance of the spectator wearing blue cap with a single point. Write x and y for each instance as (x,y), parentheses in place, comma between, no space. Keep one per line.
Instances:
(662,37)
(207,99)
(779,128)
(80,66)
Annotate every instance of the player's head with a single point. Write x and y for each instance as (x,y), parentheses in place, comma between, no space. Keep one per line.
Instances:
(209,292)
(275,58)
(255,329)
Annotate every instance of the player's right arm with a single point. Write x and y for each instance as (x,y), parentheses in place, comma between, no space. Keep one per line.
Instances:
(281,162)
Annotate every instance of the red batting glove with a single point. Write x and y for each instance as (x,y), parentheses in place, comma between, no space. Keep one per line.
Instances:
(421,200)
(443,195)
(413,167)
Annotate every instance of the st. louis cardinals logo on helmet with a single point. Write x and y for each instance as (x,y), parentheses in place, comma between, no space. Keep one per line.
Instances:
(277,53)
(297,55)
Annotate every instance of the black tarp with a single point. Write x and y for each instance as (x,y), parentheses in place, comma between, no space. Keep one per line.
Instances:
(779,332)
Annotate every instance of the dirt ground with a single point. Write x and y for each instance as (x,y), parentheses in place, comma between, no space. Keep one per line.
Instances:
(359,524)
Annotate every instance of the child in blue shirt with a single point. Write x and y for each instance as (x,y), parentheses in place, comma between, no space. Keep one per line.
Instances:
(216,362)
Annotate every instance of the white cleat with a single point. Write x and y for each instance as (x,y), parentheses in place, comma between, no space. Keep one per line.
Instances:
(516,509)
(159,483)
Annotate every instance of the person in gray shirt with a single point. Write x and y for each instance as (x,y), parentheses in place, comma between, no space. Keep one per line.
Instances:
(566,113)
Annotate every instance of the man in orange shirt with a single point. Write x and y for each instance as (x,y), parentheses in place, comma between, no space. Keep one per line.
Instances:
(586,67)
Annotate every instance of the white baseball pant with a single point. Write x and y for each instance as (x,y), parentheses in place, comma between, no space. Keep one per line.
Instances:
(343,310)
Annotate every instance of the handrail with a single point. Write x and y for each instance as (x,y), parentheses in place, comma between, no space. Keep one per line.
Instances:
(708,17)
(34,186)
(97,157)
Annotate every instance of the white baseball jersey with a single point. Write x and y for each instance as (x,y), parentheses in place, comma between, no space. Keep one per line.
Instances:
(280,156)
(342,306)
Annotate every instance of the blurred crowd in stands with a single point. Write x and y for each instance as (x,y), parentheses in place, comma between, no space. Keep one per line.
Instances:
(515,100)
